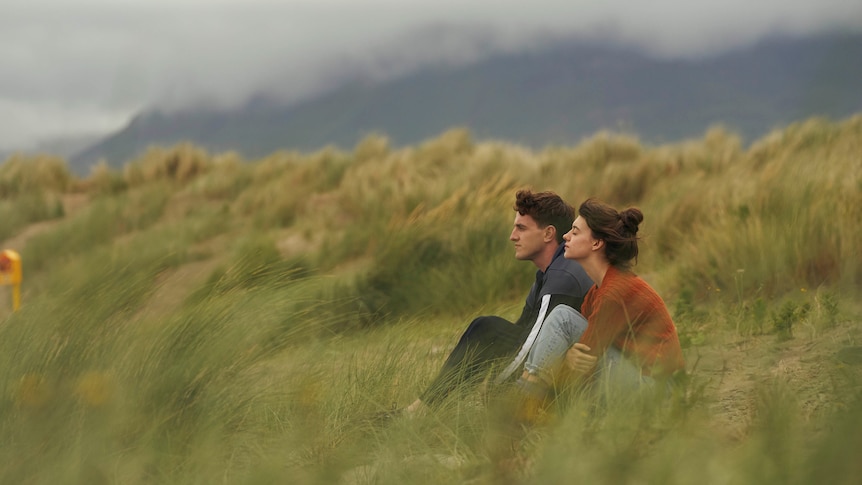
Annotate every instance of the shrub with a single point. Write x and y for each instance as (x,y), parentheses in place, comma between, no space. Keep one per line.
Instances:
(104,180)
(180,163)
(27,208)
(21,175)
(787,316)
(371,148)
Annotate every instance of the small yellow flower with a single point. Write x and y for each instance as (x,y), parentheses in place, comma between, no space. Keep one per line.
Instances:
(803,290)
(34,391)
(94,388)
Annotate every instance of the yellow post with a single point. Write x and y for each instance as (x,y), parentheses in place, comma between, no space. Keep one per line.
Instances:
(10,274)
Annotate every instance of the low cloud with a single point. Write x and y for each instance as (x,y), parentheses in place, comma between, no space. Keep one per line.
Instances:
(81,67)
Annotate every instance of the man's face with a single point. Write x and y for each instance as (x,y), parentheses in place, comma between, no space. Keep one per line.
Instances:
(528,237)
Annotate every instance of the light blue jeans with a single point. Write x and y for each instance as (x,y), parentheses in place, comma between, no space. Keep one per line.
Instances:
(562,328)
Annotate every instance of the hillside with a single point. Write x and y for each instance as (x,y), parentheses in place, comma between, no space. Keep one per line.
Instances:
(555,95)
(196,317)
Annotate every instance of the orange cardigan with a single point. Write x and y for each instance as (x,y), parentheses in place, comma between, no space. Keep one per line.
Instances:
(627,313)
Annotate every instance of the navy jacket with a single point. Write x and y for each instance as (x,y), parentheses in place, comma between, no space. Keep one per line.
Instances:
(563,282)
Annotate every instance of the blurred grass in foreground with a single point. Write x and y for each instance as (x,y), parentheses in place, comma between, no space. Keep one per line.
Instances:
(205,319)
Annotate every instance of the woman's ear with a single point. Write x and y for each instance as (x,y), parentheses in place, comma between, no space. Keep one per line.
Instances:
(598,244)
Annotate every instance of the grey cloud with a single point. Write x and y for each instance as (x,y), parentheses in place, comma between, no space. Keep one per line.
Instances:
(100,61)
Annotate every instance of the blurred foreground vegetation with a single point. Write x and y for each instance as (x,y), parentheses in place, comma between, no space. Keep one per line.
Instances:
(200,318)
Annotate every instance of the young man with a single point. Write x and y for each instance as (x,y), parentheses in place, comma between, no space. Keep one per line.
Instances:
(541,219)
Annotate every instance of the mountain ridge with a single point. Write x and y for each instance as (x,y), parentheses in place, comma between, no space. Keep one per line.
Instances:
(555,95)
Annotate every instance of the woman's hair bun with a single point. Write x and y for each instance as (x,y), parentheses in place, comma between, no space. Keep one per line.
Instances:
(631,219)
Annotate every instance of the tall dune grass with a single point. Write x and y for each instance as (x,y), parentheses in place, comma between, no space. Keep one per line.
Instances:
(207,319)
(29,191)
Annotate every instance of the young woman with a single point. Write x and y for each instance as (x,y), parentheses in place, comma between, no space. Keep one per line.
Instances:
(624,333)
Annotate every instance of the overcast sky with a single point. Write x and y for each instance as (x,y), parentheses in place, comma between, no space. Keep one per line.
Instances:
(76,67)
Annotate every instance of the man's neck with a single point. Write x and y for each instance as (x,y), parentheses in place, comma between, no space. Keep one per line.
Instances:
(544,259)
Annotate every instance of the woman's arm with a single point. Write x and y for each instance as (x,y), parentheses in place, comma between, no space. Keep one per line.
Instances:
(608,323)
(579,362)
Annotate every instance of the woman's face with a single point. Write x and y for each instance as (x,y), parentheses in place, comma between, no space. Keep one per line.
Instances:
(579,241)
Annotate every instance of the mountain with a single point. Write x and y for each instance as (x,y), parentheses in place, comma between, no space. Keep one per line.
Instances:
(66,146)
(554,95)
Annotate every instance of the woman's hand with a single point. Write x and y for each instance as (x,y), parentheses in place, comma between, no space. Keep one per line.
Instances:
(578,361)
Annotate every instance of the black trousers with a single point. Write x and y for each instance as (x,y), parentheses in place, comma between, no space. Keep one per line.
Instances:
(488,340)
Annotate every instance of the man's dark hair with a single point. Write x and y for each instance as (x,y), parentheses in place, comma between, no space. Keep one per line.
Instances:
(547,209)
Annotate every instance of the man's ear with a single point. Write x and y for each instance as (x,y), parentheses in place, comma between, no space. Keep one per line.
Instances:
(550,233)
